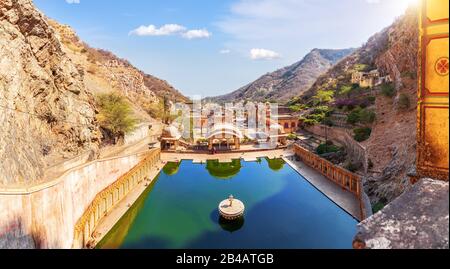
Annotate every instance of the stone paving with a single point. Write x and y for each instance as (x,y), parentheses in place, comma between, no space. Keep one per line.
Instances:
(226,157)
(343,198)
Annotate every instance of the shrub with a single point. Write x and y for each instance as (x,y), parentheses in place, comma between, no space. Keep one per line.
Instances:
(310,122)
(323,96)
(367,116)
(155,110)
(327,148)
(378,207)
(353,117)
(317,116)
(388,89)
(361,115)
(327,121)
(361,67)
(371,99)
(411,75)
(352,166)
(115,115)
(362,134)
(298,107)
(322,110)
(292,137)
(345,90)
(404,102)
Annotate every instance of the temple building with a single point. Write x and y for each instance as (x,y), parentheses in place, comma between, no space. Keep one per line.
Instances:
(369,79)
(225,135)
(170,138)
(285,118)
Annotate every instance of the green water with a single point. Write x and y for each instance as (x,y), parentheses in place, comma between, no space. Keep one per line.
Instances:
(282,210)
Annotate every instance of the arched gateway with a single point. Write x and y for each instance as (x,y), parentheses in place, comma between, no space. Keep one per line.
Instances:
(225,134)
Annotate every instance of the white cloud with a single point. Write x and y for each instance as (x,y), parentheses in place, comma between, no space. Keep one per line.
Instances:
(72,1)
(294,27)
(170,29)
(152,30)
(263,54)
(225,51)
(194,34)
(373,1)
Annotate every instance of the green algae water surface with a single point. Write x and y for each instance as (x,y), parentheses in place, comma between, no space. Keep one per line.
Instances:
(283,211)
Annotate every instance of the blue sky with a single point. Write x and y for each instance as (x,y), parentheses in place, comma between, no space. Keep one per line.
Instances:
(212,47)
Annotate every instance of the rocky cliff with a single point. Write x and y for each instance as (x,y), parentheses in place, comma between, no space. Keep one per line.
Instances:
(392,145)
(391,148)
(48,82)
(289,81)
(105,72)
(46,113)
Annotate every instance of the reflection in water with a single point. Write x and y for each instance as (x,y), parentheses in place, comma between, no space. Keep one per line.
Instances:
(116,237)
(276,164)
(223,170)
(282,211)
(171,168)
(231,225)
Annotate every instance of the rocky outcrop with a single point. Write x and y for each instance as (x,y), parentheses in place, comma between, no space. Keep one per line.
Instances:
(290,81)
(392,145)
(391,149)
(418,219)
(46,113)
(105,72)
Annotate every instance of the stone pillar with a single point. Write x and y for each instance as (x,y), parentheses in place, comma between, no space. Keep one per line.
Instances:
(210,144)
(237,143)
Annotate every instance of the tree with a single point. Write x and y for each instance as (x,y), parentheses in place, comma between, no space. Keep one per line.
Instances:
(323,96)
(116,115)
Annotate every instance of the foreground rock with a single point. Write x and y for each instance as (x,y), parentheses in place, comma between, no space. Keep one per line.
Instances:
(418,219)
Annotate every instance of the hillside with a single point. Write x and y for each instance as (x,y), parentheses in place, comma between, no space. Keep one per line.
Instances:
(388,109)
(49,80)
(105,72)
(289,81)
(46,112)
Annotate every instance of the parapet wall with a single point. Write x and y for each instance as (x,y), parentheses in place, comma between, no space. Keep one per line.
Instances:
(355,150)
(140,133)
(45,216)
(346,179)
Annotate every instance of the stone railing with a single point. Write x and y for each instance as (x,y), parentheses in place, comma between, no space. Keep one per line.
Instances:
(107,199)
(346,179)
(341,135)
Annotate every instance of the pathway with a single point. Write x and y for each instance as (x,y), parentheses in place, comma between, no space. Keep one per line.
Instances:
(226,157)
(343,198)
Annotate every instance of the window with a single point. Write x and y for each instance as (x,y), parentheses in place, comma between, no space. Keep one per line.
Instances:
(286,125)
(294,125)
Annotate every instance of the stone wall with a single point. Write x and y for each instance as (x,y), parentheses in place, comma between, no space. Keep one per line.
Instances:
(355,150)
(141,132)
(44,216)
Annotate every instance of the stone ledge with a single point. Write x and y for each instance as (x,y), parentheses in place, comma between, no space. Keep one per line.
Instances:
(418,219)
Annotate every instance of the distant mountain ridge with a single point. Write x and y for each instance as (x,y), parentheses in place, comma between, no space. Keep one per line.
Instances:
(290,81)
(392,145)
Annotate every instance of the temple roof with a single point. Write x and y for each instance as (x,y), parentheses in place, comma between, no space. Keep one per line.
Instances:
(224,129)
(171,132)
